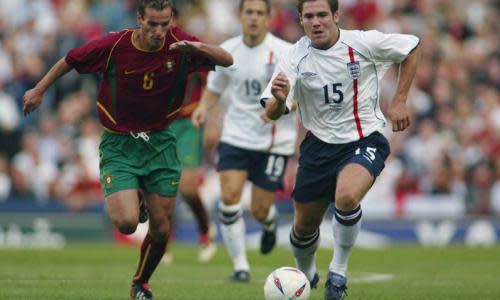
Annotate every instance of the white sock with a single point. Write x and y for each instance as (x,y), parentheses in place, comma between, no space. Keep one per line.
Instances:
(346,227)
(304,251)
(233,233)
(270,221)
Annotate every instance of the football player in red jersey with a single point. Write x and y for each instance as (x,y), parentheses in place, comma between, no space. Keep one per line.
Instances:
(144,76)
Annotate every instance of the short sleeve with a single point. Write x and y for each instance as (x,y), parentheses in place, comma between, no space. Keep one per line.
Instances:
(393,47)
(91,57)
(217,80)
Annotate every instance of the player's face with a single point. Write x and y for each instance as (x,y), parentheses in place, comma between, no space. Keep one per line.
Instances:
(154,26)
(254,18)
(319,23)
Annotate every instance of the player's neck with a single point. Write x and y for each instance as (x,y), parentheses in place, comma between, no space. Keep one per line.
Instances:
(252,41)
(140,42)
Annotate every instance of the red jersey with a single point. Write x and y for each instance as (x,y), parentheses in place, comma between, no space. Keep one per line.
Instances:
(140,90)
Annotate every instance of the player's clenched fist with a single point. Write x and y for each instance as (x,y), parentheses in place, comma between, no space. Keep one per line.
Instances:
(31,100)
(399,116)
(280,87)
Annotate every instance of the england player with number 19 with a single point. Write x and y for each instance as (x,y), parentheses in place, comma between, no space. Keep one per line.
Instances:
(334,75)
(250,148)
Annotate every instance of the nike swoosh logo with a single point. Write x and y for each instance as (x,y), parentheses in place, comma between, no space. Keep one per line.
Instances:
(129,72)
(174,182)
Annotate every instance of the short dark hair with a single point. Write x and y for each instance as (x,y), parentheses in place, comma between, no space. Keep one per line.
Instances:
(267,2)
(154,4)
(334,5)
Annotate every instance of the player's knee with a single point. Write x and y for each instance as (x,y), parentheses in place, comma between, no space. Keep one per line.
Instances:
(346,199)
(126,226)
(305,227)
(230,197)
(160,234)
(259,212)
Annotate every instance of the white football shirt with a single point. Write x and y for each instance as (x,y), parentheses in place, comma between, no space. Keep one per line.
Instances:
(338,89)
(246,80)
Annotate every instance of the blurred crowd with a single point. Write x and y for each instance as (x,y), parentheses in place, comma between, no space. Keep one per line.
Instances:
(452,147)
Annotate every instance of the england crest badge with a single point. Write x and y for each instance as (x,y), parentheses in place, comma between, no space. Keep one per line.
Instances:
(354,69)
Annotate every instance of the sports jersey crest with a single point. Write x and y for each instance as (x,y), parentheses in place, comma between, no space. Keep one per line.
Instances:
(354,69)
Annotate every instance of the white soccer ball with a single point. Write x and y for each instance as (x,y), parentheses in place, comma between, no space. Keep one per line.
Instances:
(287,283)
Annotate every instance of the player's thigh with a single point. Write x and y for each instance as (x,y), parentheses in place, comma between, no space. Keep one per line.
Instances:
(123,208)
(233,167)
(232,184)
(267,170)
(315,175)
(309,215)
(162,173)
(353,182)
(261,201)
(364,162)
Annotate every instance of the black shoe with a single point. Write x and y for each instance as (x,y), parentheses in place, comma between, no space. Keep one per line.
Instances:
(335,287)
(268,239)
(314,282)
(240,276)
(141,291)
(143,210)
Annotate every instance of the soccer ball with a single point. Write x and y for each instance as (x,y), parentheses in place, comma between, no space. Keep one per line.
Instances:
(287,283)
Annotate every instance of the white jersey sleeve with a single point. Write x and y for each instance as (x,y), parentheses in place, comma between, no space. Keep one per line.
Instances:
(218,80)
(393,47)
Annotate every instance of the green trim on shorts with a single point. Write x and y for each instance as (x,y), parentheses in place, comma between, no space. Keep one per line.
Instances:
(132,163)
(189,143)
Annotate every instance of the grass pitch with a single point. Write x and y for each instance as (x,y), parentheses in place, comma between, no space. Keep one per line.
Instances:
(103,271)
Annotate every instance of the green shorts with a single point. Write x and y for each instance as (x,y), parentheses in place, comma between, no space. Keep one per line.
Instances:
(128,162)
(189,143)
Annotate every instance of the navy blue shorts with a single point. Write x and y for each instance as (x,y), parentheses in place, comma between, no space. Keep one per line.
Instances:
(265,170)
(320,163)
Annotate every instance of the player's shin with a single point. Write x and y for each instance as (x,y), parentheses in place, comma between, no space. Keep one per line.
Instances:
(233,233)
(304,251)
(152,251)
(346,226)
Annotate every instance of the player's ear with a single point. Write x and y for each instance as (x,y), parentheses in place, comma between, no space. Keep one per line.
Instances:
(336,17)
(300,19)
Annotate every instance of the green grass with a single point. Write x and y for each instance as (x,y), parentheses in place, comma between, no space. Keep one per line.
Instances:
(102,271)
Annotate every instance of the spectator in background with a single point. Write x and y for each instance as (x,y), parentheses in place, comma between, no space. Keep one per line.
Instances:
(33,176)
(5,179)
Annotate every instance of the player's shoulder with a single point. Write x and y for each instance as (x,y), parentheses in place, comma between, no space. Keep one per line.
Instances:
(180,35)
(233,43)
(276,42)
(300,49)
(110,38)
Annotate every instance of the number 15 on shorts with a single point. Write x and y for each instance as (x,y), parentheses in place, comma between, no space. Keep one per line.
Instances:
(368,153)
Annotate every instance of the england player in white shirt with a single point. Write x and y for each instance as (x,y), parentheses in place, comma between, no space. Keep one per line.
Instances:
(335,76)
(250,148)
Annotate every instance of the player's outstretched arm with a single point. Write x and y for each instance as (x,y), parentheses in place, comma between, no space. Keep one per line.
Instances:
(215,53)
(276,106)
(33,98)
(398,112)
(207,102)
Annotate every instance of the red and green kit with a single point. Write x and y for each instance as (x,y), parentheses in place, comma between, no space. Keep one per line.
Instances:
(140,91)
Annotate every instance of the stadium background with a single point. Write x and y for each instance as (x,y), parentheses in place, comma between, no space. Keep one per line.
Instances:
(442,181)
